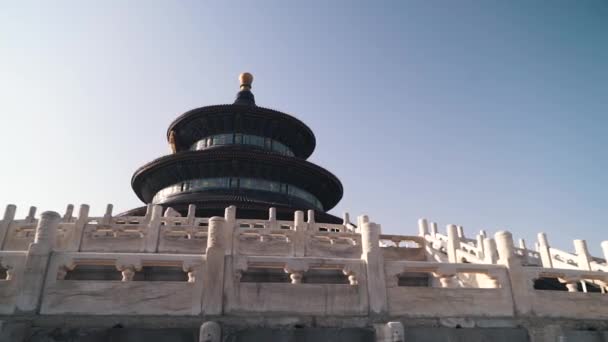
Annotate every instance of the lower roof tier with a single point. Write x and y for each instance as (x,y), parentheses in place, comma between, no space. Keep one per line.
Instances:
(238,162)
(255,188)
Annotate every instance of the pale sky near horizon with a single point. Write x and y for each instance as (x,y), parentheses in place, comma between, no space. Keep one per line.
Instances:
(488,114)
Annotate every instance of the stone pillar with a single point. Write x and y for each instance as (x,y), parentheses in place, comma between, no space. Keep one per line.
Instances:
(191,215)
(522,246)
(153,230)
(45,233)
(69,211)
(505,247)
(300,235)
(489,251)
(7,220)
(345,219)
(272,214)
(229,228)
(35,269)
(31,215)
(460,232)
(272,218)
(374,263)
(480,247)
(107,217)
(605,250)
(210,332)
(213,280)
(311,216)
(390,332)
(81,221)
(520,286)
(423,227)
(433,229)
(543,250)
(582,255)
(453,243)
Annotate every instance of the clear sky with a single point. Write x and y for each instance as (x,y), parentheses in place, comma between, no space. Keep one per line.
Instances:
(488,114)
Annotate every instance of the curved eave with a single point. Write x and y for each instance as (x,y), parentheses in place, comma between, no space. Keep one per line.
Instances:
(201,122)
(232,161)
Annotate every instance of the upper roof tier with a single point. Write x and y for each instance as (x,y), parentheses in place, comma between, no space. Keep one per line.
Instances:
(243,116)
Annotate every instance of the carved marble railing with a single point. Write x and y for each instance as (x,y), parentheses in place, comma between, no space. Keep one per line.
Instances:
(122,292)
(455,247)
(12,267)
(169,233)
(573,303)
(346,297)
(453,289)
(161,264)
(400,247)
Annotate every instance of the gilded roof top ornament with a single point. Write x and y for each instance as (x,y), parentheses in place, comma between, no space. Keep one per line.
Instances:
(246,79)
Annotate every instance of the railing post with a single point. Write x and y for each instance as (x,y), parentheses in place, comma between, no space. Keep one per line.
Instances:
(191,216)
(213,281)
(300,235)
(489,251)
(480,247)
(69,211)
(107,217)
(7,220)
(543,250)
(81,221)
(520,288)
(311,220)
(434,229)
(31,215)
(460,231)
(374,263)
(605,250)
(153,230)
(582,255)
(453,243)
(522,246)
(423,227)
(36,263)
(345,219)
(229,228)
(272,218)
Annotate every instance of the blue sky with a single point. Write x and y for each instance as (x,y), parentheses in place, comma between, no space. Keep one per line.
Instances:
(488,114)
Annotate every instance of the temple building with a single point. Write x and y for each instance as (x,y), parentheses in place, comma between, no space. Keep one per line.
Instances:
(235,244)
(239,154)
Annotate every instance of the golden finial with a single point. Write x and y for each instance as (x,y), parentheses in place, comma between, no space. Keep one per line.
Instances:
(172,144)
(246,79)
